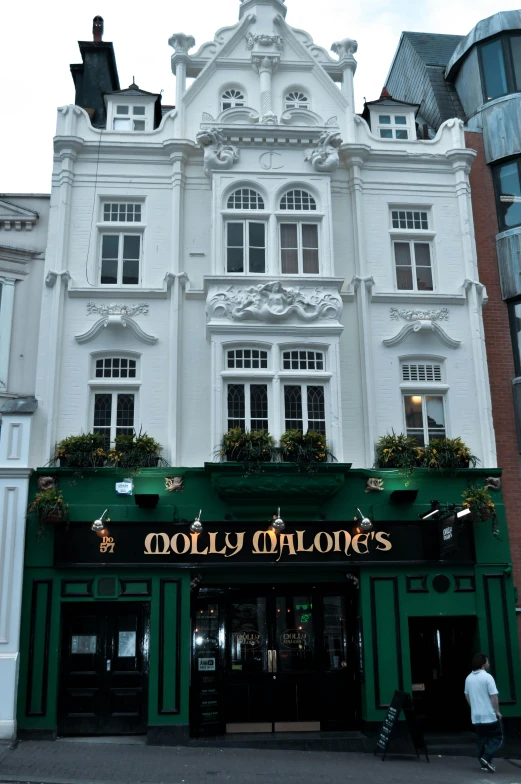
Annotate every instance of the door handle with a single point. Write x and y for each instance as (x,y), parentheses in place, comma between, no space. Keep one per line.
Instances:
(274,660)
(270,661)
(108,665)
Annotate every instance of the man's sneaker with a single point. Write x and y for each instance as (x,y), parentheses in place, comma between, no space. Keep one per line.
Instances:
(487,765)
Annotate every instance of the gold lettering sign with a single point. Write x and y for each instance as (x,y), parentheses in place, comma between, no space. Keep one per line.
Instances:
(264,543)
(107,545)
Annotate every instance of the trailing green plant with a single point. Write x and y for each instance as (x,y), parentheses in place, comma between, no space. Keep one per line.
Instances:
(84,451)
(298,447)
(134,451)
(48,506)
(248,446)
(398,451)
(448,453)
(481,505)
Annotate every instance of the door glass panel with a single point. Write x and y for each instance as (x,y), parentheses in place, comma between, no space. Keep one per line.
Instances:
(248,636)
(127,644)
(335,634)
(294,635)
(83,643)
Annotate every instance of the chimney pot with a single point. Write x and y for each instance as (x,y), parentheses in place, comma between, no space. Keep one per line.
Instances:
(97,28)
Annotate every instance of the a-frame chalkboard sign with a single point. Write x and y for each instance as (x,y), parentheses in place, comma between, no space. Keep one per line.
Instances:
(401,701)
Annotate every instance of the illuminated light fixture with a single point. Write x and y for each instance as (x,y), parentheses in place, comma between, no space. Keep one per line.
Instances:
(98,525)
(278,523)
(434,511)
(364,523)
(463,512)
(197,526)
(416,399)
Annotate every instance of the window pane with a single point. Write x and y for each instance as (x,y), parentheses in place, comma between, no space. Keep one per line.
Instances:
(259,406)
(138,110)
(235,252)
(309,249)
(316,409)
(400,120)
(435,415)
(289,262)
(121,109)
(414,417)
(130,273)
(402,134)
(125,415)
(422,258)
(139,125)
(509,186)
(514,309)
(236,406)
(293,408)
(494,69)
(402,256)
(310,262)
(121,125)
(384,119)
(257,253)
(288,235)
(109,246)
(131,246)
(109,272)
(103,415)
(386,133)
(515,46)
(288,240)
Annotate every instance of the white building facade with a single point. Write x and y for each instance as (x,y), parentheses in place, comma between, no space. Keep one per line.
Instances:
(262,257)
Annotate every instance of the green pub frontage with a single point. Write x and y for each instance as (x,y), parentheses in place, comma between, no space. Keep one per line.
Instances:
(149,627)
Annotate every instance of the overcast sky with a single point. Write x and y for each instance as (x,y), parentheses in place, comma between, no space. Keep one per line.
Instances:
(40,41)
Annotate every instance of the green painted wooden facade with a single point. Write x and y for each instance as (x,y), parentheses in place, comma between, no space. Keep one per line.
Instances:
(390,593)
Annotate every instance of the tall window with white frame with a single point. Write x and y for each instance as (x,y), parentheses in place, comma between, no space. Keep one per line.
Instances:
(247,401)
(121,250)
(412,249)
(114,406)
(424,411)
(304,403)
(299,245)
(245,236)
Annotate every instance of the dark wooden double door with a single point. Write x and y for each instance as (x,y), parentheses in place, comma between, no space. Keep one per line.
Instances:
(283,660)
(104,669)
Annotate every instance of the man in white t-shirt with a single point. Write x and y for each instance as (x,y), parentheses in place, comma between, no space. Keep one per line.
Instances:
(482,696)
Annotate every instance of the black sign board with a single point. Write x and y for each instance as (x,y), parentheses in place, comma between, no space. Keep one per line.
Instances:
(224,543)
(401,701)
(448,533)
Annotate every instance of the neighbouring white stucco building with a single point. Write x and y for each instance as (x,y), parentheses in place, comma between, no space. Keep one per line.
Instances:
(23,238)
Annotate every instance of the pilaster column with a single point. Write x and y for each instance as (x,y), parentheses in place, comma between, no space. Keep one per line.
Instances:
(345,49)
(265,65)
(180,43)
(6,328)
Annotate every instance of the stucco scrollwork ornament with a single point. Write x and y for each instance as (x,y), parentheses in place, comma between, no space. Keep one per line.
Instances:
(415,314)
(493,482)
(272,302)
(174,483)
(264,39)
(374,484)
(116,309)
(181,43)
(217,154)
(345,48)
(421,325)
(324,157)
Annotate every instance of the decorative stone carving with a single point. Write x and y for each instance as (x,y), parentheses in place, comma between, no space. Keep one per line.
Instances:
(265,62)
(324,157)
(181,43)
(345,48)
(174,483)
(415,314)
(207,118)
(493,482)
(374,484)
(217,154)
(332,121)
(272,302)
(115,321)
(422,325)
(116,309)
(263,39)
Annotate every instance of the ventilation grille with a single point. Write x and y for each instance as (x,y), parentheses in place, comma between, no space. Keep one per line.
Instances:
(421,372)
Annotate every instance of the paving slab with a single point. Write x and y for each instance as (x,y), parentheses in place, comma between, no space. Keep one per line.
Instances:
(47,762)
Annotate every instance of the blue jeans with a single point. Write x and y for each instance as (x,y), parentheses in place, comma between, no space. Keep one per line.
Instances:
(489,740)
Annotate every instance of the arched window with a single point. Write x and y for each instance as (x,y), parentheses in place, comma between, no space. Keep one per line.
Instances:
(298,200)
(114,387)
(231,98)
(245,199)
(296,100)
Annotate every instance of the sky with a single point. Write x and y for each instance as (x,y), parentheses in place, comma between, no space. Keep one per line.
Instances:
(40,41)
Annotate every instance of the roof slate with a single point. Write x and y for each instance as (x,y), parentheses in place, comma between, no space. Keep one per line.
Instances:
(433,48)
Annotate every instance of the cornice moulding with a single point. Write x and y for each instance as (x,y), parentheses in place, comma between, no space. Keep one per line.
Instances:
(399,297)
(252,280)
(15,473)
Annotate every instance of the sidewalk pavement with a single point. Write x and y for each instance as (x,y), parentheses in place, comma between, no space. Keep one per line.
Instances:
(80,762)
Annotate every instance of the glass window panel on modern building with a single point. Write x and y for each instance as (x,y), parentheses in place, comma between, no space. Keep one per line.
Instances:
(424,417)
(514,309)
(507,181)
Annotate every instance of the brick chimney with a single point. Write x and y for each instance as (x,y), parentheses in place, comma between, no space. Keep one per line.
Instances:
(97,29)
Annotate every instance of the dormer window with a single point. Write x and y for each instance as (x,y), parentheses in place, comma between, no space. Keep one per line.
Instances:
(129,118)
(232,98)
(393,126)
(296,100)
